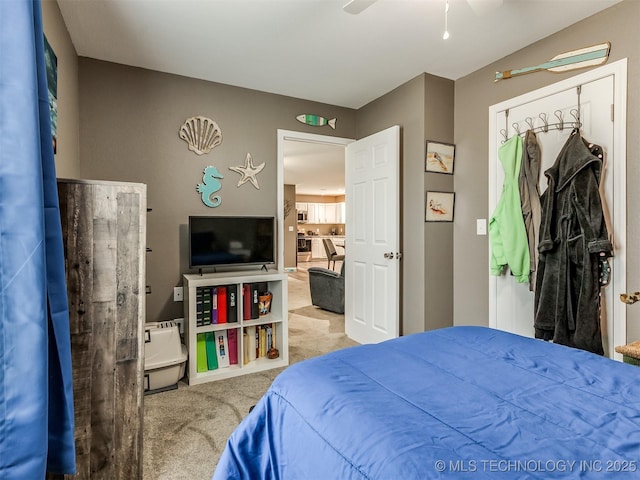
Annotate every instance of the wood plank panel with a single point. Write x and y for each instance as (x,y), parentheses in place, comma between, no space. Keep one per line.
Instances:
(104,228)
(129,370)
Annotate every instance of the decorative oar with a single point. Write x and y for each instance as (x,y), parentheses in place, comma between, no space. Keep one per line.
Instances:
(584,57)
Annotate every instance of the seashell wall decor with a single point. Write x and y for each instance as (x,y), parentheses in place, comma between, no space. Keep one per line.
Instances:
(201,134)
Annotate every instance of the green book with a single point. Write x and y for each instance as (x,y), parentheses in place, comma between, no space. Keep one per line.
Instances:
(201,351)
(212,358)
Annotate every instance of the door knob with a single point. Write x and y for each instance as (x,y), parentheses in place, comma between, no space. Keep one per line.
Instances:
(388,255)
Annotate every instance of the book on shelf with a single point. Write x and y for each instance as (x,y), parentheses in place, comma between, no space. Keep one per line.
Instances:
(232,338)
(222,304)
(201,353)
(269,338)
(266,339)
(214,305)
(206,305)
(212,358)
(232,303)
(199,309)
(246,301)
(257,335)
(255,311)
(251,342)
(245,347)
(262,339)
(222,348)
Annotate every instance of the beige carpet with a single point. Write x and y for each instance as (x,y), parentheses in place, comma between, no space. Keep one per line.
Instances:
(185,430)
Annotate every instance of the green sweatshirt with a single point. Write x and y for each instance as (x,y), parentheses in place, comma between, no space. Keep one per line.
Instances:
(507,233)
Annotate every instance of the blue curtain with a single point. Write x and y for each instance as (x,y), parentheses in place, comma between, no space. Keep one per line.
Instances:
(36,392)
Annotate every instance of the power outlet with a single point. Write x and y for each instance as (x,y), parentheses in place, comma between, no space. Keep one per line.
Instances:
(180,323)
(178,294)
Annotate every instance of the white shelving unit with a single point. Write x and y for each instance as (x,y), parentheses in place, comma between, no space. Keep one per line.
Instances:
(278,317)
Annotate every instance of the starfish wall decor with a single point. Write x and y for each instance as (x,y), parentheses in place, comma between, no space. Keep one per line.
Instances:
(248,171)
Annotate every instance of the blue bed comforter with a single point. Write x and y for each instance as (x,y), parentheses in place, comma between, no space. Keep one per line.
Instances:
(461,402)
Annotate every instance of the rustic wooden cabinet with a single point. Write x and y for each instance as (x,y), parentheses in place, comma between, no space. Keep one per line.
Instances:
(104,230)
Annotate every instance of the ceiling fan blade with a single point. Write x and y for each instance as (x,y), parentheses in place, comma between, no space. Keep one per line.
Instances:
(356,6)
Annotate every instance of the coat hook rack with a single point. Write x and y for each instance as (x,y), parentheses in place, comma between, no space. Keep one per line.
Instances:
(545,122)
(529,122)
(516,127)
(559,115)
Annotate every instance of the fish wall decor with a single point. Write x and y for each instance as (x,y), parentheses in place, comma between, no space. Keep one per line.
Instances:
(316,120)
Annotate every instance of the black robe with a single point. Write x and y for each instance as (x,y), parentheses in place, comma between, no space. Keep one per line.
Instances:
(573,238)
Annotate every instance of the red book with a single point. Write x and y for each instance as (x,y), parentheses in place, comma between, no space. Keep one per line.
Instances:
(232,338)
(222,304)
(246,301)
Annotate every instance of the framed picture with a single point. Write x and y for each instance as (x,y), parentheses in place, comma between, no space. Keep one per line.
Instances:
(51,62)
(439,157)
(439,207)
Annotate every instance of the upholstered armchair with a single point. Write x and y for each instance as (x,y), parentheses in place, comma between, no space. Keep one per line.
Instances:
(327,288)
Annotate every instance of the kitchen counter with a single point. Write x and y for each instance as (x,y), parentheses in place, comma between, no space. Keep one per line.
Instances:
(314,248)
(340,237)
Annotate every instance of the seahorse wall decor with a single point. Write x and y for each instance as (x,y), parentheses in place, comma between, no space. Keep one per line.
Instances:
(210,186)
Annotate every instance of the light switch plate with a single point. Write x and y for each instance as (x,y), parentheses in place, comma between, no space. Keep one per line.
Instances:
(178,294)
(481,226)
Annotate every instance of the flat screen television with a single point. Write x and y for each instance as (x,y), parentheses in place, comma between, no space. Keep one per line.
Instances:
(231,241)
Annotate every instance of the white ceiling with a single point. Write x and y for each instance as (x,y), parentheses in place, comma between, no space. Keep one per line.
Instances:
(314,169)
(312,49)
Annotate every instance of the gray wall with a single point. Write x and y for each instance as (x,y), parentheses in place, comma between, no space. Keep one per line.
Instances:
(68,144)
(129,131)
(473,96)
(438,237)
(130,118)
(427,273)
(290,221)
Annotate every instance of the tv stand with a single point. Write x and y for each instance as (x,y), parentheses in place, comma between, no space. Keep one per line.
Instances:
(277,318)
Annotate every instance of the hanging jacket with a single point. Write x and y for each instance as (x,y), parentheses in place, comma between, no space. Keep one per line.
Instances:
(573,236)
(530,199)
(507,234)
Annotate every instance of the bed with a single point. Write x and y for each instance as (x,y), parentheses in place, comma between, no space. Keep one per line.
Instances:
(460,402)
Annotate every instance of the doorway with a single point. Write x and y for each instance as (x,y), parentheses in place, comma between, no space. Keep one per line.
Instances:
(312,170)
(314,151)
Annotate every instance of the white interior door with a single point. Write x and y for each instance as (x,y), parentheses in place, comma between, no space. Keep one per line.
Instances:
(511,304)
(372,238)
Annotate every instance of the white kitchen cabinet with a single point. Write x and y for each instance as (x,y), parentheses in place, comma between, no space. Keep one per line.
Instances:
(324,213)
(317,249)
(341,213)
(312,213)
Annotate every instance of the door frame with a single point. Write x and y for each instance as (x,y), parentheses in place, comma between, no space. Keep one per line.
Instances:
(282,136)
(618,70)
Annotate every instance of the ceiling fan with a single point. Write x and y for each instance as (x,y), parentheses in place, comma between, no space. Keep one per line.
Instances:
(356,6)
